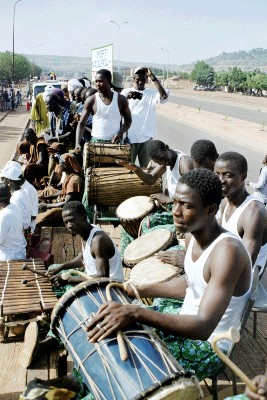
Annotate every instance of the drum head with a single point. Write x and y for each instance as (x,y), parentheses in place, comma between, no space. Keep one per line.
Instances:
(135,208)
(147,245)
(153,270)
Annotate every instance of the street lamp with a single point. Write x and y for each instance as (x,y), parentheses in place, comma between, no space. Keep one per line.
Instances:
(33,70)
(13,53)
(119,24)
(168,64)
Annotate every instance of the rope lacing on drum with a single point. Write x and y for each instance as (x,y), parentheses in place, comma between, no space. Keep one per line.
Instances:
(5,284)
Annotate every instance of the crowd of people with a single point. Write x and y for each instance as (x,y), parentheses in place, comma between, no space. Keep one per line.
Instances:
(204,198)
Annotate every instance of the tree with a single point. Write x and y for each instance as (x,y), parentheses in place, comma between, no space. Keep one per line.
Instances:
(203,74)
(22,66)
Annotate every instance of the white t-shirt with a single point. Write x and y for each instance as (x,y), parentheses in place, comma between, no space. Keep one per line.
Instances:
(143,115)
(12,240)
(115,264)
(33,198)
(21,199)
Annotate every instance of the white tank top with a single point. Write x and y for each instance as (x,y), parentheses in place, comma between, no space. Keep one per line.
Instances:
(115,265)
(197,286)
(231,226)
(106,120)
(173,176)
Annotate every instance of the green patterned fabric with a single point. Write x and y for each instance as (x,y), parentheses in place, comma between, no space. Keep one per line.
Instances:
(191,354)
(157,219)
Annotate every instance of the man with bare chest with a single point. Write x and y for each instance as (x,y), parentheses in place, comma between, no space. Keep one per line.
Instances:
(110,110)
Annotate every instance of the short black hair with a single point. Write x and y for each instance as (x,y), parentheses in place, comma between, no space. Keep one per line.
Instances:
(4,193)
(206,183)
(106,73)
(155,148)
(203,149)
(75,206)
(56,98)
(239,160)
(29,131)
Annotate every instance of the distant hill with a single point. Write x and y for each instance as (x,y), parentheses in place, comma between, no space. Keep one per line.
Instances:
(67,66)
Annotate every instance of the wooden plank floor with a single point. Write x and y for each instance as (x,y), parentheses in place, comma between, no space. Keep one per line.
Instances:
(250,354)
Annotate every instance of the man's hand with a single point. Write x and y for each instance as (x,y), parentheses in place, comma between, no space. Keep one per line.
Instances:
(43,207)
(150,74)
(110,318)
(54,271)
(134,95)
(126,164)
(173,257)
(116,138)
(161,198)
(57,281)
(261,383)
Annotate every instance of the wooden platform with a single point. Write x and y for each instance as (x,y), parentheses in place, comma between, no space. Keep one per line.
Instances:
(250,354)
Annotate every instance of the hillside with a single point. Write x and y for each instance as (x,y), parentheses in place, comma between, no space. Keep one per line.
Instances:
(81,66)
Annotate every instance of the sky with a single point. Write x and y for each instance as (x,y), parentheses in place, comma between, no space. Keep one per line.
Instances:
(187,30)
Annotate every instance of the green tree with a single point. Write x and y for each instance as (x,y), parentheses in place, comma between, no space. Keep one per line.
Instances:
(237,79)
(203,73)
(22,66)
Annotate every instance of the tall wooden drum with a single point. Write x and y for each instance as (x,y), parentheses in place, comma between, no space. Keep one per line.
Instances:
(131,212)
(111,186)
(105,154)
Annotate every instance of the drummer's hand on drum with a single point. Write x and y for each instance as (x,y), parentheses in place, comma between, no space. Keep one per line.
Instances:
(110,318)
(116,138)
(161,198)
(57,281)
(173,257)
(126,164)
(261,383)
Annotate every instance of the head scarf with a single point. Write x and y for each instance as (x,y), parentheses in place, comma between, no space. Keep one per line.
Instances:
(74,84)
(71,162)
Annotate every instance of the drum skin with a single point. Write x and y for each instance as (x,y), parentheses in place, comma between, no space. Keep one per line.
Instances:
(132,211)
(147,245)
(149,366)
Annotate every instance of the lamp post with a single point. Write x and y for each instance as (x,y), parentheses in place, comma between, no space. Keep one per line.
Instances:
(119,24)
(13,53)
(168,64)
(33,70)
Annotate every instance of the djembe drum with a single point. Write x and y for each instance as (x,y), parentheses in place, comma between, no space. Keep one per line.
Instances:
(150,372)
(153,270)
(147,245)
(132,211)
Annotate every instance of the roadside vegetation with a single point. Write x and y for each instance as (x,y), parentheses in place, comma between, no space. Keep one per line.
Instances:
(23,68)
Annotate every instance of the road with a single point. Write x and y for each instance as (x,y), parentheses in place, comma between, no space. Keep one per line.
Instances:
(181,135)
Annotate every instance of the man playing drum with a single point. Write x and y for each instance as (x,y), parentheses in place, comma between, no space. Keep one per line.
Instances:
(216,285)
(108,108)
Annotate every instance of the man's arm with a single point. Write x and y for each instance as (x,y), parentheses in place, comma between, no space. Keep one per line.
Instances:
(41,153)
(148,178)
(186,164)
(126,115)
(87,110)
(220,288)
(75,263)
(262,180)
(253,224)
(159,87)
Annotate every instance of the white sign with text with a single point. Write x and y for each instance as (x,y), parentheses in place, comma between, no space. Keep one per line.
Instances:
(102,57)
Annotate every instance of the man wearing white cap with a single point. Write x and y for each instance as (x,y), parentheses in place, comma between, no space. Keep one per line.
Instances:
(142,103)
(11,176)
(12,240)
(31,193)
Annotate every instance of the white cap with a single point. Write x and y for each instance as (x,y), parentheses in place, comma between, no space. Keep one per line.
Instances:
(143,69)
(12,171)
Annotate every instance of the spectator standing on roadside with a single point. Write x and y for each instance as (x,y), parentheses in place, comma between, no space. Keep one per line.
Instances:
(260,187)
(142,103)
(6,99)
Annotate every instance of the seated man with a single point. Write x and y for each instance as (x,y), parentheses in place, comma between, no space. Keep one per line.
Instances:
(241,213)
(72,189)
(12,240)
(108,108)
(215,292)
(100,256)
(37,161)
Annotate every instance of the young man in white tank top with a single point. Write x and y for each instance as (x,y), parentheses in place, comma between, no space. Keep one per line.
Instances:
(109,109)
(241,213)
(100,256)
(215,287)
